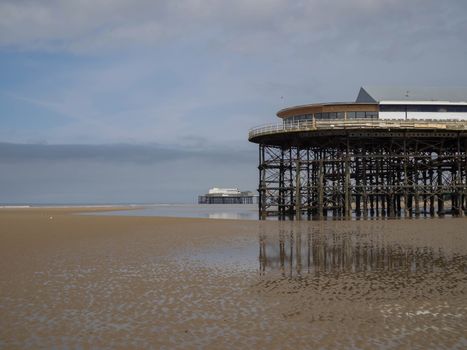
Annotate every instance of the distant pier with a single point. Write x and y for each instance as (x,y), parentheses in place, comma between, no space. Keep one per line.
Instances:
(227,196)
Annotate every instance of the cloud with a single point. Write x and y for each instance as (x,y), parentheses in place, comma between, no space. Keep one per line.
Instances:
(201,73)
(241,26)
(60,25)
(117,153)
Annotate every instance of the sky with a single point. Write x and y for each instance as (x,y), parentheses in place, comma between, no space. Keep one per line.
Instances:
(151,101)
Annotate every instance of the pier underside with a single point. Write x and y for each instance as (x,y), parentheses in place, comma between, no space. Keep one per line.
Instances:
(362,174)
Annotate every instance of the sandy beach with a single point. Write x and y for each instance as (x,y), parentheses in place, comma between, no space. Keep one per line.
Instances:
(77,281)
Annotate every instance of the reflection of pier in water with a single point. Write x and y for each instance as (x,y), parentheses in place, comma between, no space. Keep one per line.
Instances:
(293,252)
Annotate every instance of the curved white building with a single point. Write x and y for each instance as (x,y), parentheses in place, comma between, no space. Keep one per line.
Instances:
(417,103)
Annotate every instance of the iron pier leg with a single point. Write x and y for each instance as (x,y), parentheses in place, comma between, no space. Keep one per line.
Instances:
(298,199)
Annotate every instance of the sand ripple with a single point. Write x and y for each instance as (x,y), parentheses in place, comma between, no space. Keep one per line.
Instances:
(91,283)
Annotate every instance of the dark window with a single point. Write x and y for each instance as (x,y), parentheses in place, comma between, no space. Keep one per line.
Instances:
(350,115)
(302,117)
(422,108)
(391,108)
(322,116)
(360,115)
(371,115)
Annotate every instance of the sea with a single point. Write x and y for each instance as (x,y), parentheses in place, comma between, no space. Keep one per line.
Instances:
(207,211)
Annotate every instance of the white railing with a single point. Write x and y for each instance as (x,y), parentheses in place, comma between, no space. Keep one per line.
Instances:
(356,124)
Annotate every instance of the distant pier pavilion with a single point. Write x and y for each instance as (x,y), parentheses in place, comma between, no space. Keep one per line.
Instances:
(227,196)
(394,152)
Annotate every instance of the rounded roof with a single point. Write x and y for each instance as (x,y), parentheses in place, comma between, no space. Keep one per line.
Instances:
(327,107)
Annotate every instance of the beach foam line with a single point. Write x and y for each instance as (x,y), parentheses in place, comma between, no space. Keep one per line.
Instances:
(14,206)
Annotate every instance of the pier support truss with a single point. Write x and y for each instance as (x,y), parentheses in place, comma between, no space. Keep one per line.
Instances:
(363,177)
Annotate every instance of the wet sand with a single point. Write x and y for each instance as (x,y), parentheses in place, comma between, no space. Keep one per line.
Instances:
(76,281)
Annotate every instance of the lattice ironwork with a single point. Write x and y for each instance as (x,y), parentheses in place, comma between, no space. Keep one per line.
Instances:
(364,174)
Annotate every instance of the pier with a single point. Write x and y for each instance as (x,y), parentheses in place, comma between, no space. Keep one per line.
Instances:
(364,166)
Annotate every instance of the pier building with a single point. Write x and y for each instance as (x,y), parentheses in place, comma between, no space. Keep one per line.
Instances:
(227,196)
(394,152)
